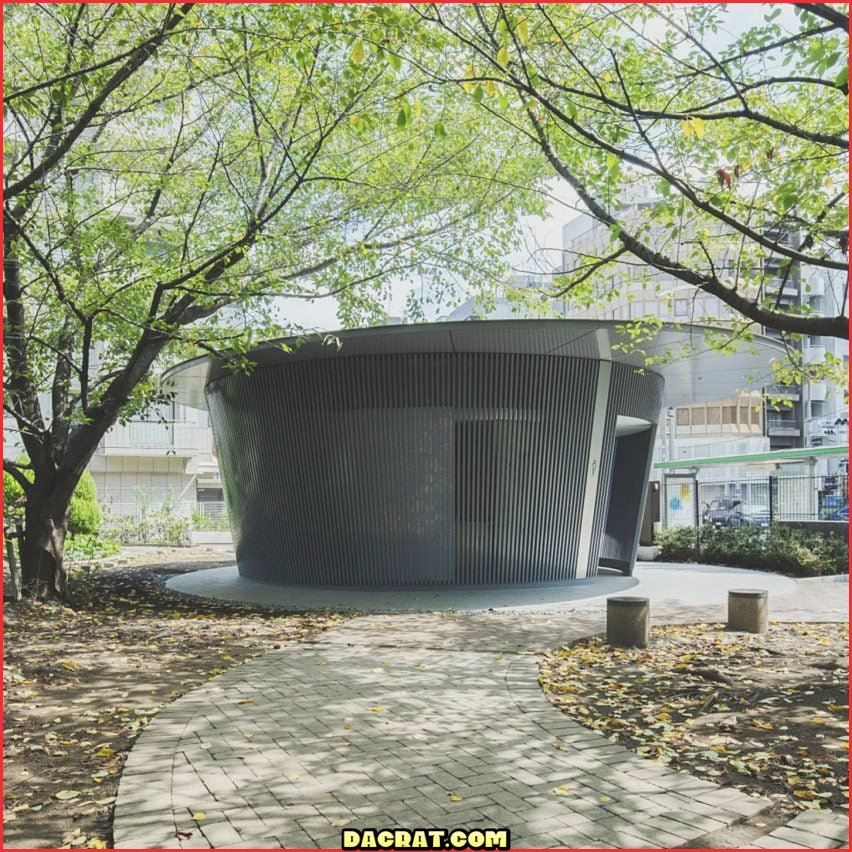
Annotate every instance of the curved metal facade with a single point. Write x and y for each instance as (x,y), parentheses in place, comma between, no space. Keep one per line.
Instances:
(432,468)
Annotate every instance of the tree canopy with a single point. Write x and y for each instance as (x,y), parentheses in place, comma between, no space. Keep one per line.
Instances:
(734,136)
(164,163)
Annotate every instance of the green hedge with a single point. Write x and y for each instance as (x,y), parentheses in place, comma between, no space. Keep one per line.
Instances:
(84,517)
(797,553)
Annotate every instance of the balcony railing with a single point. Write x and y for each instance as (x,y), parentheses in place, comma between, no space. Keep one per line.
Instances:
(141,434)
(153,438)
(791,392)
(776,425)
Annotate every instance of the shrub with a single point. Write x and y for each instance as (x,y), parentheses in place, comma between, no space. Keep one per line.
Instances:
(795,552)
(13,499)
(84,515)
(678,544)
(208,523)
(152,526)
(85,546)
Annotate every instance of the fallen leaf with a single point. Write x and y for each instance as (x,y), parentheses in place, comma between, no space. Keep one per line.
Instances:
(198,816)
(67,795)
(454,797)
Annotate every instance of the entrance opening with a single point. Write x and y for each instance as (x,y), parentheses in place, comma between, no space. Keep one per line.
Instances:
(633,446)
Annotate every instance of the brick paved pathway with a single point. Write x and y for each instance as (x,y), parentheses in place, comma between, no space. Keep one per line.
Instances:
(422,720)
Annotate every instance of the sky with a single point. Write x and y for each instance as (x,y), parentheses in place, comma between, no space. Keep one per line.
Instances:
(537,233)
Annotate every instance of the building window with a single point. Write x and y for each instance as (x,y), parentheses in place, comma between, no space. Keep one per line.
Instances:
(683,417)
(699,416)
(681,307)
(714,415)
(818,408)
(729,414)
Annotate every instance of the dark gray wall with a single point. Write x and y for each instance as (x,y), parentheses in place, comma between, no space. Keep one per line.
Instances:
(632,393)
(416,469)
(626,499)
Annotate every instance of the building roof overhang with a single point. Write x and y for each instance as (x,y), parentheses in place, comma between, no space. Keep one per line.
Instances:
(694,371)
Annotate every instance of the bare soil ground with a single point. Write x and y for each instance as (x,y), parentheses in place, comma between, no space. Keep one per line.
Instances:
(766,713)
(81,684)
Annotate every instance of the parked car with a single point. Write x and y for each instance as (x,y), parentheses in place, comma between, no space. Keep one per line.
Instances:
(830,505)
(840,515)
(719,509)
(749,515)
(733,512)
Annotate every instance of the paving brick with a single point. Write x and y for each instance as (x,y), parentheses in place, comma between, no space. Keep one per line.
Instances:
(221,834)
(822,824)
(806,838)
(488,736)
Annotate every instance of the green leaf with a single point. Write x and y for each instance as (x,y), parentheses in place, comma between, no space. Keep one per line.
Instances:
(357,55)
(843,77)
(394,61)
(470,71)
(440,130)
(401,119)
(503,56)
(478,94)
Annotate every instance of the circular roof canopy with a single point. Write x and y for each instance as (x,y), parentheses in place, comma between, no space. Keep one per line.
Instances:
(681,354)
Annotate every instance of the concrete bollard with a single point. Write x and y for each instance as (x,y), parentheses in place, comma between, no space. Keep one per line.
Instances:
(748,610)
(628,622)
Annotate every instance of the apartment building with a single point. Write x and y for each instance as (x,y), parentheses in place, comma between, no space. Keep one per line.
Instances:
(168,458)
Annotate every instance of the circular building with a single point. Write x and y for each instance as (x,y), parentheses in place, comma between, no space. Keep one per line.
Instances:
(450,454)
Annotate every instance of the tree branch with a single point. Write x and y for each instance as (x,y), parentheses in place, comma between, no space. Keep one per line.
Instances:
(140,54)
(15,471)
(796,323)
(827,13)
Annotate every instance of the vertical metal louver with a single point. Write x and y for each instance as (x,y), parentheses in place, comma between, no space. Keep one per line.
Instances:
(413,469)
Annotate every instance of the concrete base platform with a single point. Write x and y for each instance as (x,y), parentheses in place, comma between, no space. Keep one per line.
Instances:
(664,585)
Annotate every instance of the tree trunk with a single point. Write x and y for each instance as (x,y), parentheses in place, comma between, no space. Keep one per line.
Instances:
(43,571)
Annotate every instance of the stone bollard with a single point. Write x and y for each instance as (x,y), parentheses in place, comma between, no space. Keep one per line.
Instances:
(748,610)
(628,622)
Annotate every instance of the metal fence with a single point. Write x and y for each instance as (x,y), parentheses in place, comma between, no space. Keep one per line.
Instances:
(756,501)
(204,515)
